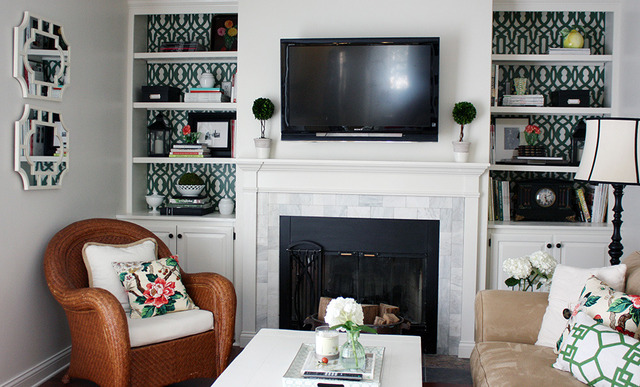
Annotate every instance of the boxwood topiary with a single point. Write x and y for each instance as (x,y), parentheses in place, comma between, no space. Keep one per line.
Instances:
(190,179)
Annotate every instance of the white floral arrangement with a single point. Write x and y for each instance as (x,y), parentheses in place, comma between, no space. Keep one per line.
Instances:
(345,314)
(529,272)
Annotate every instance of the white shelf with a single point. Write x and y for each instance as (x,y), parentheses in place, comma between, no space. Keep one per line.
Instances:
(220,106)
(551,59)
(549,110)
(547,225)
(188,57)
(145,215)
(183,160)
(534,168)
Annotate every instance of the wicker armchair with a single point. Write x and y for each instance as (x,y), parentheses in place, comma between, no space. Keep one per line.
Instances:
(101,350)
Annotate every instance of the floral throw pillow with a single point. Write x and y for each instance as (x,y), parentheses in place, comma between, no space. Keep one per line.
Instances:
(154,288)
(619,311)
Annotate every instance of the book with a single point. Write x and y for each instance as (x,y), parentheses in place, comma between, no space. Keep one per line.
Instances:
(192,156)
(506,201)
(202,97)
(569,51)
(582,202)
(500,200)
(185,200)
(205,90)
(189,146)
(186,211)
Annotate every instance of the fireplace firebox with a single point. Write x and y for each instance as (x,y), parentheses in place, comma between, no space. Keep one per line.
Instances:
(391,261)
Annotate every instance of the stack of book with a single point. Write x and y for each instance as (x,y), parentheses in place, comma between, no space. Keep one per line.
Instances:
(523,100)
(203,94)
(500,203)
(599,208)
(569,51)
(190,150)
(182,205)
(181,46)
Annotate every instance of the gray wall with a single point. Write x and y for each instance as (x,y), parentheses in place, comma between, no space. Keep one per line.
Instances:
(33,327)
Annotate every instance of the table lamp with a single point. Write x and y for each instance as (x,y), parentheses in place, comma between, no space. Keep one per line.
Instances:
(610,156)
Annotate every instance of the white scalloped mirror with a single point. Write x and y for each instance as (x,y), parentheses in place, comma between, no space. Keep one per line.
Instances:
(41,58)
(41,149)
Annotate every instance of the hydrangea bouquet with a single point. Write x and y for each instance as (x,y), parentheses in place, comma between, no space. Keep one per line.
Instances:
(345,314)
(529,272)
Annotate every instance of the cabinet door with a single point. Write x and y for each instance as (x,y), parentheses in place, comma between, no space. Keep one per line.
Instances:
(585,250)
(504,246)
(166,232)
(206,249)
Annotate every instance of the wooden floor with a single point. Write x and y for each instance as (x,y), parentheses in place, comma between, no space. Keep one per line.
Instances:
(439,370)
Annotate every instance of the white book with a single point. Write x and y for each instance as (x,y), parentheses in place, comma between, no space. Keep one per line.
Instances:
(506,201)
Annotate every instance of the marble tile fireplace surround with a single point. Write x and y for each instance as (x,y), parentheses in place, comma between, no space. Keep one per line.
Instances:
(448,192)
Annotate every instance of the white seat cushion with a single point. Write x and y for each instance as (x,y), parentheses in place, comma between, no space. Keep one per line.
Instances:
(168,326)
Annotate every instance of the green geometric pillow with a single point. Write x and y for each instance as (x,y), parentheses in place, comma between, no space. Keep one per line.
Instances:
(597,355)
(154,288)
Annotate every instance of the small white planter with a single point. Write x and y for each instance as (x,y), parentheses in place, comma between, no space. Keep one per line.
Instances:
(226,206)
(461,151)
(263,147)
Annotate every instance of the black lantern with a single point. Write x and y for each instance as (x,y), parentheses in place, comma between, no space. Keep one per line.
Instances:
(158,137)
(577,142)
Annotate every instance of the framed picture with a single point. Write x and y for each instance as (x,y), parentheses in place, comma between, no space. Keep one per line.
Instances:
(508,134)
(224,32)
(216,129)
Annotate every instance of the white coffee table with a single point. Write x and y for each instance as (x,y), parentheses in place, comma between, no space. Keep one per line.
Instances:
(268,356)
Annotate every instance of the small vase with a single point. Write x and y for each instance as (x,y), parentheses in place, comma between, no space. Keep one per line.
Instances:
(531,138)
(352,353)
(461,151)
(263,147)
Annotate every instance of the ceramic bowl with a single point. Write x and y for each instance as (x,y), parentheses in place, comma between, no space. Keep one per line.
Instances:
(189,190)
(154,201)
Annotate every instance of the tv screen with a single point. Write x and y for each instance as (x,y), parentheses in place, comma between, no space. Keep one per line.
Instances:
(360,89)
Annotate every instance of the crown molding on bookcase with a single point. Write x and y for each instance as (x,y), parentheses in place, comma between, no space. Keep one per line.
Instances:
(182,6)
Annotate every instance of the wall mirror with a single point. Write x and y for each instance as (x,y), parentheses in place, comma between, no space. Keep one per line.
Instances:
(41,58)
(41,149)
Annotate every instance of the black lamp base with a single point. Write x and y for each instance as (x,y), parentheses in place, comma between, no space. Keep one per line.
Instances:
(615,247)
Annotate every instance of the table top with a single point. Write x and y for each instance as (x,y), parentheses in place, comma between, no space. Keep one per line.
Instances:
(266,358)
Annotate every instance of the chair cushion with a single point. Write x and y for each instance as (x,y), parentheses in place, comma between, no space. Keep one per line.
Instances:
(168,326)
(565,291)
(514,364)
(154,288)
(99,256)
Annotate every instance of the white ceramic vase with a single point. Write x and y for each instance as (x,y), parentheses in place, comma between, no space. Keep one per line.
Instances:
(263,147)
(206,80)
(461,151)
(226,206)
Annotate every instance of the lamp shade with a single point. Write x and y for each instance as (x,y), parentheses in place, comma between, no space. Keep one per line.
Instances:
(610,151)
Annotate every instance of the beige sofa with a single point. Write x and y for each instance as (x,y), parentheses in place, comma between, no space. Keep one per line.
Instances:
(506,328)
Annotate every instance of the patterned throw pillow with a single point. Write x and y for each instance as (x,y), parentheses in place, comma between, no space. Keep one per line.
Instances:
(599,356)
(617,310)
(154,288)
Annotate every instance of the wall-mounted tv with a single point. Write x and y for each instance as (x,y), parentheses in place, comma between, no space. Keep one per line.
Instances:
(360,89)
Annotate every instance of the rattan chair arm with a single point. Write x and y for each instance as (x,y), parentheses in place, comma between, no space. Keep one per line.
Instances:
(215,293)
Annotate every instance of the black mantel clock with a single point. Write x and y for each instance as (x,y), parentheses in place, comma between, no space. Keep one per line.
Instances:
(545,200)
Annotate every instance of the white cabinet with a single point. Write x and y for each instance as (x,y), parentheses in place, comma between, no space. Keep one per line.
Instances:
(200,246)
(574,246)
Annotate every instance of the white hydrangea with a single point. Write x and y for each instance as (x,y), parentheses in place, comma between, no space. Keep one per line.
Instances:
(340,310)
(544,262)
(517,268)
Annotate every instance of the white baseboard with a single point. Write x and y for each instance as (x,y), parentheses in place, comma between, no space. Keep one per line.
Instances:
(38,374)
(245,338)
(465,348)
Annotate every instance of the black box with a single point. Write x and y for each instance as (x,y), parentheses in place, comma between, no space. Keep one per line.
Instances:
(160,94)
(570,98)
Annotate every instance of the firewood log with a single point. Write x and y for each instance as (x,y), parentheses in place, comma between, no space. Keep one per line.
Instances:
(385,308)
(390,318)
(370,312)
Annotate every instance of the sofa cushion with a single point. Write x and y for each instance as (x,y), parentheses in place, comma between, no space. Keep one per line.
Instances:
(565,291)
(598,355)
(154,288)
(633,273)
(168,326)
(99,256)
(515,364)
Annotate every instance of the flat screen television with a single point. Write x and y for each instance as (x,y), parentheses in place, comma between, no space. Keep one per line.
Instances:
(360,89)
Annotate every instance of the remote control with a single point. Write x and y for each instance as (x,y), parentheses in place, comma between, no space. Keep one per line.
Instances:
(332,375)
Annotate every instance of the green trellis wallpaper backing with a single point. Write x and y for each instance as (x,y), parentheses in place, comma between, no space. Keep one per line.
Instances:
(162,178)
(534,33)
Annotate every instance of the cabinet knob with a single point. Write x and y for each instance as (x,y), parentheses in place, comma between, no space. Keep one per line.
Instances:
(179,236)
(558,245)
(170,236)
(549,245)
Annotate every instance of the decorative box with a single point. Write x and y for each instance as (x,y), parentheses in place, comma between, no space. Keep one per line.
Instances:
(160,94)
(570,98)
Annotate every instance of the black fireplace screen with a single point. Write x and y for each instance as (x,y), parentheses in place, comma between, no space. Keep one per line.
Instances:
(372,260)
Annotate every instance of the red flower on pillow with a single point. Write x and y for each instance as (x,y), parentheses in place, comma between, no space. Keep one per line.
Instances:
(158,291)
(635,300)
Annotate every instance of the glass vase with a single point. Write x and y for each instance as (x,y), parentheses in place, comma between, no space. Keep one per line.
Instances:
(352,353)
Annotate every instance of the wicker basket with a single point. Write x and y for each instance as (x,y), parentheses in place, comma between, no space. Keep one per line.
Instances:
(532,151)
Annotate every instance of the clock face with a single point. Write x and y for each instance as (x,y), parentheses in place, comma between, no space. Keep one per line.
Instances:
(545,197)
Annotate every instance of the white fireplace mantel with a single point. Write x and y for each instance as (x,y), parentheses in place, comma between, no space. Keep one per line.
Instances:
(385,178)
